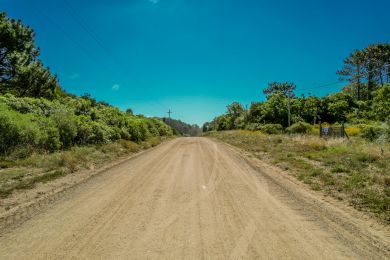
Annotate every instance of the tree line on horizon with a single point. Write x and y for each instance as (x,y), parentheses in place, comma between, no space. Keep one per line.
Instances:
(182,128)
(365,100)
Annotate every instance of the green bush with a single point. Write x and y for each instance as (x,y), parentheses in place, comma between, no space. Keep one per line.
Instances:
(265,128)
(385,135)
(372,132)
(271,128)
(138,129)
(163,129)
(100,133)
(50,135)
(21,130)
(84,130)
(30,125)
(152,128)
(299,128)
(124,133)
(135,132)
(16,130)
(252,127)
(36,106)
(67,126)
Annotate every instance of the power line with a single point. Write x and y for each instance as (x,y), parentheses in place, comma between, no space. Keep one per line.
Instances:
(41,14)
(92,34)
(81,22)
(338,82)
(321,86)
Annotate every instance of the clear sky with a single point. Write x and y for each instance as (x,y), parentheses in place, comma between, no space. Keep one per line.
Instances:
(196,56)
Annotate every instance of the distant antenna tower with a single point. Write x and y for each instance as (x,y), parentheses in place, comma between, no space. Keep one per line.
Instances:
(169,113)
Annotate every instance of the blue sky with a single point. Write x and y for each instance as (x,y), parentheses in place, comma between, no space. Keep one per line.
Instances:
(196,56)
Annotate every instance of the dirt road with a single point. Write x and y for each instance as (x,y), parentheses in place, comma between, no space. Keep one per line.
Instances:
(190,198)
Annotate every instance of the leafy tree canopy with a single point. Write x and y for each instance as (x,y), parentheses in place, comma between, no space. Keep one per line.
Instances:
(21,73)
(286,89)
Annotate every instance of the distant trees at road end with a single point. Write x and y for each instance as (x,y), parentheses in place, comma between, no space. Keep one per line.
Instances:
(182,128)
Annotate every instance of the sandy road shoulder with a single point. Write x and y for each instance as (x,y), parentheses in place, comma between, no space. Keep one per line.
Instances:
(354,228)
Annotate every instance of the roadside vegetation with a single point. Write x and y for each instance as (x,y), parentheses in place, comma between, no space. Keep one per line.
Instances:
(354,170)
(365,100)
(24,173)
(46,132)
(284,130)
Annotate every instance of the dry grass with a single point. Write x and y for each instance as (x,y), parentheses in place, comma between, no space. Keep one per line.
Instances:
(24,173)
(248,132)
(354,170)
(154,141)
(130,146)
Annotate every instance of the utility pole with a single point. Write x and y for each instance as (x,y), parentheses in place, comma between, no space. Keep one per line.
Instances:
(169,113)
(246,113)
(289,107)
(358,82)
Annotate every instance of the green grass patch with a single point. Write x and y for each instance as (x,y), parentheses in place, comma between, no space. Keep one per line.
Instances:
(41,168)
(355,170)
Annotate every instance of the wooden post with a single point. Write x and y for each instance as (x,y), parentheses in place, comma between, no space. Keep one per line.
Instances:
(320,128)
(342,129)
(289,109)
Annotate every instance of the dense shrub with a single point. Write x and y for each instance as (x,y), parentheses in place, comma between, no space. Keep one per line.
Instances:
(385,137)
(299,128)
(50,135)
(124,133)
(381,103)
(266,128)
(252,126)
(376,132)
(152,129)
(28,124)
(102,133)
(372,132)
(163,129)
(138,129)
(92,132)
(23,132)
(66,124)
(84,130)
(16,130)
(36,106)
(271,128)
